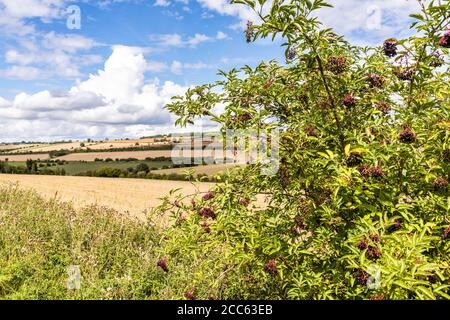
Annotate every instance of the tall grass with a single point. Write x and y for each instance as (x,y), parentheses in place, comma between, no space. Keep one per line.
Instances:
(40,239)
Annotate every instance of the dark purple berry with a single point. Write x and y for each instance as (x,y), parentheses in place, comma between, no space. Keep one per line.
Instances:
(390,47)
(349,100)
(375,238)
(207,213)
(244,202)
(436,60)
(404,74)
(206,227)
(361,276)
(362,245)
(440,183)
(337,65)
(208,196)
(311,131)
(376,172)
(395,227)
(249,32)
(445,40)
(376,80)
(446,233)
(291,54)
(383,107)
(446,155)
(190,295)
(355,159)
(162,263)
(364,170)
(408,136)
(271,267)
(245,117)
(373,253)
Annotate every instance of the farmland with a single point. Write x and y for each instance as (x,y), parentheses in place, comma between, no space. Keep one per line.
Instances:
(23,157)
(134,196)
(141,155)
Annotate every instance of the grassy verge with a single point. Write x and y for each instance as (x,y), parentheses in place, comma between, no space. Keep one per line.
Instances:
(40,239)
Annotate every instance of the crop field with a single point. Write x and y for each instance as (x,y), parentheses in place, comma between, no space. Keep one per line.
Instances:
(77,167)
(24,157)
(210,170)
(140,155)
(131,196)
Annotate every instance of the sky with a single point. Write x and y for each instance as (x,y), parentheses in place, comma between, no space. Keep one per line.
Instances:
(106,68)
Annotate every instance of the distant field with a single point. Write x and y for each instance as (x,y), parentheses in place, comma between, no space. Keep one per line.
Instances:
(73,168)
(19,147)
(132,196)
(25,157)
(91,156)
(209,170)
(61,146)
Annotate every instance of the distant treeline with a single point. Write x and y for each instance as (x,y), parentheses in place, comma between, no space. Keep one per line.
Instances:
(32,167)
(138,173)
(64,152)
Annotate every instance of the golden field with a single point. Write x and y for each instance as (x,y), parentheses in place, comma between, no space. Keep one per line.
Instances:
(24,157)
(131,196)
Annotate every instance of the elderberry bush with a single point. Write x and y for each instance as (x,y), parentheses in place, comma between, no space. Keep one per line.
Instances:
(364,169)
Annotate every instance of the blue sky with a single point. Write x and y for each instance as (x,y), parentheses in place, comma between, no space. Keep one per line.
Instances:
(113,76)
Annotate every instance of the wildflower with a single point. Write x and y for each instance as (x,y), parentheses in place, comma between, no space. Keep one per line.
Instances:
(407,136)
(349,100)
(162,263)
(390,47)
(271,267)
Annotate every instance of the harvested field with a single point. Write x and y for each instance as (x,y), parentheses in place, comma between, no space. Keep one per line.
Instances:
(61,146)
(24,157)
(133,196)
(140,155)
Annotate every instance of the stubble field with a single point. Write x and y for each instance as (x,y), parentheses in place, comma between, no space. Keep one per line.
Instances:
(131,196)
